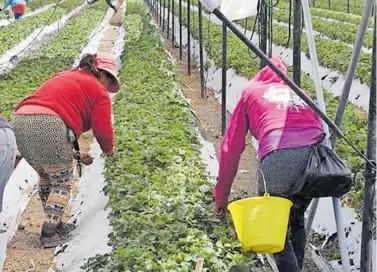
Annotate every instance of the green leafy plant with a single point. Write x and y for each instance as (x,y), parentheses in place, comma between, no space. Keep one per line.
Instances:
(55,55)
(160,199)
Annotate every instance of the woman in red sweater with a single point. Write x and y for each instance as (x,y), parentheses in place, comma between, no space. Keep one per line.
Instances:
(75,101)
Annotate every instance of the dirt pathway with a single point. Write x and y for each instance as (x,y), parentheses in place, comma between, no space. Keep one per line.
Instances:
(24,252)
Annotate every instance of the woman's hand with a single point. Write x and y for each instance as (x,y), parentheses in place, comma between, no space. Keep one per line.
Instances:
(219,213)
(86,158)
(110,153)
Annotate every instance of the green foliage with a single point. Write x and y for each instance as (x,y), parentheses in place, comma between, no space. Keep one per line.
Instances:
(160,199)
(57,54)
(12,34)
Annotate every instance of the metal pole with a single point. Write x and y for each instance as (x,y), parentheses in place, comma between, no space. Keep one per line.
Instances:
(201,56)
(188,38)
(168,25)
(322,106)
(172,24)
(352,67)
(366,259)
(159,1)
(163,16)
(263,30)
(348,6)
(223,79)
(180,29)
(297,42)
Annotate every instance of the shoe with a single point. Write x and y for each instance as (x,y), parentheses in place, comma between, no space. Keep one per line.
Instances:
(64,229)
(53,235)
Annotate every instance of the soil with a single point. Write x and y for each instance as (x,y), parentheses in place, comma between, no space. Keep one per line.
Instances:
(24,252)
(208,113)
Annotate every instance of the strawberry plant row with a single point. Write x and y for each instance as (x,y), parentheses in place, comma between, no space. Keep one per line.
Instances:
(331,54)
(329,14)
(12,34)
(354,122)
(160,199)
(55,55)
(332,29)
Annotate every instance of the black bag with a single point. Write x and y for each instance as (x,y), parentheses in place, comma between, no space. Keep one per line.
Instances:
(325,174)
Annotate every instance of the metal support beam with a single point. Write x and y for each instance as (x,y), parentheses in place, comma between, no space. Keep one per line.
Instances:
(180,29)
(352,67)
(168,25)
(223,78)
(173,24)
(163,15)
(369,216)
(188,38)
(201,55)
(297,42)
(263,30)
(322,106)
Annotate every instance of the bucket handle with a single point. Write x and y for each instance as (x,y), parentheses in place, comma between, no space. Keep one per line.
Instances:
(265,184)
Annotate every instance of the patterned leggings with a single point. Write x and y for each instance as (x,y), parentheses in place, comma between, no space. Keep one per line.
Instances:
(44,143)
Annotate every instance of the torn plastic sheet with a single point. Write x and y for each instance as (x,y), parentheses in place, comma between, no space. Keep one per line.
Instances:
(8,60)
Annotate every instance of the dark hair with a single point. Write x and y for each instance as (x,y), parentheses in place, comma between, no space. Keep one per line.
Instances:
(89,63)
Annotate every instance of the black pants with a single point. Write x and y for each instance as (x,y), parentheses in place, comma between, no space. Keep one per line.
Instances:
(291,259)
(282,169)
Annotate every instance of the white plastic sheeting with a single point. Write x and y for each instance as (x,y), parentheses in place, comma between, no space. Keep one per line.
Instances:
(17,194)
(89,210)
(6,22)
(239,9)
(33,41)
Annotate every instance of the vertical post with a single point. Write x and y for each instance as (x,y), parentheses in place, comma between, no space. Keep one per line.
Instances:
(322,106)
(159,1)
(201,55)
(297,42)
(163,16)
(223,78)
(172,24)
(353,63)
(348,6)
(168,25)
(180,29)
(188,38)
(263,30)
(366,260)
(329,2)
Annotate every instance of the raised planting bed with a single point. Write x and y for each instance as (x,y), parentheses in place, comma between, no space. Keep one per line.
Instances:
(14,33)
(330,14)
(356,6)
(57,54)
(332,29)
(160,199)
(355,119)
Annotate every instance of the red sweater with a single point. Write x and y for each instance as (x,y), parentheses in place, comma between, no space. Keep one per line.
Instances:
(81,101)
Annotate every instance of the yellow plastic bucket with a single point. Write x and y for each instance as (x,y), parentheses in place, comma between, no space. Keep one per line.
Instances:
(261,223)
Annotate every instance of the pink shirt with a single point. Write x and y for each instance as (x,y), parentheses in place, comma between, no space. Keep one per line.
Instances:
(274,115)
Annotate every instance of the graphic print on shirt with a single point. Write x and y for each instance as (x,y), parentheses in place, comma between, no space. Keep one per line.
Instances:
(284,98)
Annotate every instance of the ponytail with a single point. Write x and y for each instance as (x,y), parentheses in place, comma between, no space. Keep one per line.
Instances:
(89,63)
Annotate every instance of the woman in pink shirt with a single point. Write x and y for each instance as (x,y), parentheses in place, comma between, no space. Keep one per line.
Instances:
(285,128)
